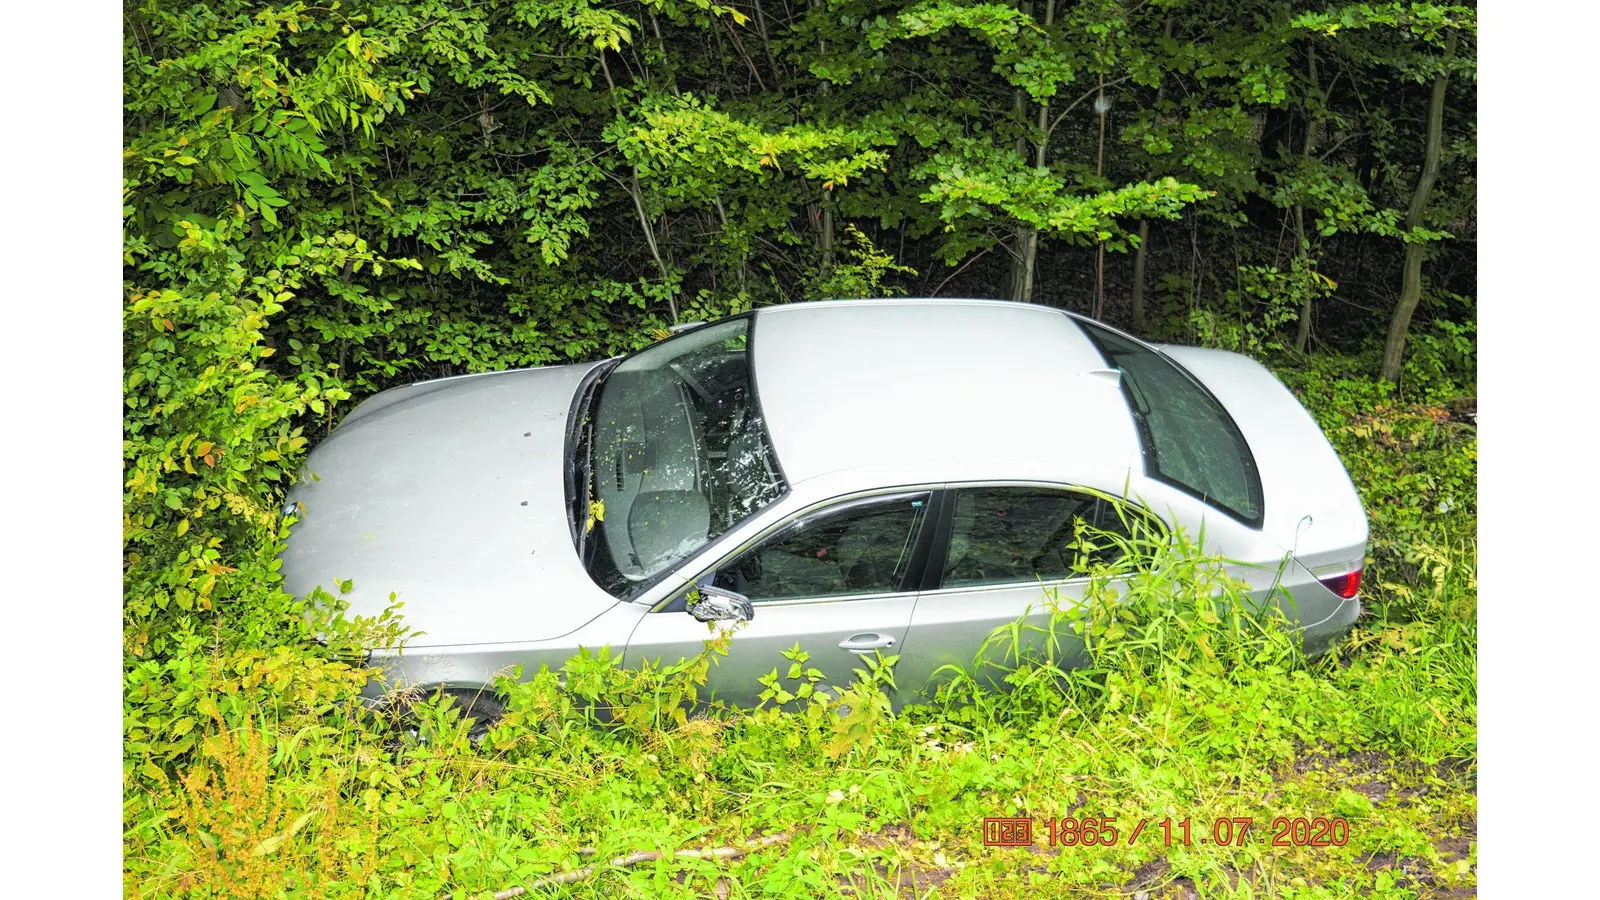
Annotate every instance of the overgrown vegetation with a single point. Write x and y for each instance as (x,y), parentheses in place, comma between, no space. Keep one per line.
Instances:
(322,201)
(1184,713)
(251,772)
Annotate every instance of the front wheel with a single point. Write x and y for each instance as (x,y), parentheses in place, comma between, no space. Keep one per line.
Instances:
(478,707)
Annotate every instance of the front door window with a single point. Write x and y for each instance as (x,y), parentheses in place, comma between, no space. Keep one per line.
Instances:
(863,547)
(834,581)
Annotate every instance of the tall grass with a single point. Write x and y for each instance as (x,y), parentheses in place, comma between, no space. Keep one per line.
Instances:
(1189,700)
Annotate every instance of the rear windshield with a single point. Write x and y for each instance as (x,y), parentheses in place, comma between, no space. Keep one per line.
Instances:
(1190,441)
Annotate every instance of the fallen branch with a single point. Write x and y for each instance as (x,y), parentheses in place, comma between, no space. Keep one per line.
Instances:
(641,856)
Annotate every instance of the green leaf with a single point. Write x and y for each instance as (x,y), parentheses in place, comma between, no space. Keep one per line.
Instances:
(270,845)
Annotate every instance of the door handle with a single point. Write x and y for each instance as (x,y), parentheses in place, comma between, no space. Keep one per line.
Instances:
(866,642)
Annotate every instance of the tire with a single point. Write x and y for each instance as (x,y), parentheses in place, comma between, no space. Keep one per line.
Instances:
(482,706)
(478,704)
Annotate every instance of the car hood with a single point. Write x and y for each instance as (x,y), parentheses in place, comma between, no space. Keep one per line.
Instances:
(449,494)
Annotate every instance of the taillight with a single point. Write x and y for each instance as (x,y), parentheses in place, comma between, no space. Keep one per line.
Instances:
(1345,585)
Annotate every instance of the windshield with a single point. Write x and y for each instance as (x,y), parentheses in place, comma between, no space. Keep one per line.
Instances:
(676,454)
(1190,441)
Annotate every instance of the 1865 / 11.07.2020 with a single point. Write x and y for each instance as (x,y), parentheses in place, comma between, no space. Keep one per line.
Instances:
(1090,831)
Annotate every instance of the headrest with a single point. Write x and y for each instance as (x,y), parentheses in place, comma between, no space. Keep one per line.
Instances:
(665,526)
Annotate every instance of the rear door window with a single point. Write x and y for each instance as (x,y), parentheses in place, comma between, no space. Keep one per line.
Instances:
(1013,535)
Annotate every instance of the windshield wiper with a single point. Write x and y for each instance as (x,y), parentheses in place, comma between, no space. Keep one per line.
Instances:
(581,484)
(583,489)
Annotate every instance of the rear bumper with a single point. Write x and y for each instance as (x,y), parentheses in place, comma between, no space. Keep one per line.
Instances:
(1319,637)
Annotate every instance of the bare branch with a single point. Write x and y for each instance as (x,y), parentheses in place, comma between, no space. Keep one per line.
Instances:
(640,856)
(963,268)
(1086,95)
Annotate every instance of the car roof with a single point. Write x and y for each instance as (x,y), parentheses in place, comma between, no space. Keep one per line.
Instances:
(957,387)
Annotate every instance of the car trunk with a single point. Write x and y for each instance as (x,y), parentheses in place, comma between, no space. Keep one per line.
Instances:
(1311,507)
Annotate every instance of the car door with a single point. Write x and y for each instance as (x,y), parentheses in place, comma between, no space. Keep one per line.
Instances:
(1003,551)
(838,579)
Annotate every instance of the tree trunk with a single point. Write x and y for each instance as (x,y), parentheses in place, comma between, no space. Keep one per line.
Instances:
(1411,270)
(1027,256)
(1141,318)
(1028,243)
(1302,247)
(825,241)
(766,42)
(636,192)
(827,235)
(744,269)
(1140,322)
(722,213)
(1302,335)
(1017,275)
(1099,172)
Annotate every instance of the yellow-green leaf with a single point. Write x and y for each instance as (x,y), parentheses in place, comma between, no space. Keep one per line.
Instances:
(269,845)
(300,822)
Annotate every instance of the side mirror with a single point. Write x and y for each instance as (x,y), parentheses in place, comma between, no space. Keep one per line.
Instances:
(721,605)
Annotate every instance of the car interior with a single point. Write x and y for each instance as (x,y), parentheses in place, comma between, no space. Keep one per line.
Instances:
(1006,535)
(857,551)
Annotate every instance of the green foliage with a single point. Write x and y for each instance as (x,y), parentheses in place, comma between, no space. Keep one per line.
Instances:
(863,275)
(1191,701)
(518,153)
(210,431)
(1249,316)
(1413,459)
(322,201)
(978,183)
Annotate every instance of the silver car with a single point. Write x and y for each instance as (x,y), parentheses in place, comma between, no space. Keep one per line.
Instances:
(856,476)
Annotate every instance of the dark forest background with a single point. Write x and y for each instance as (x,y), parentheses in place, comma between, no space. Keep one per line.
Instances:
(321,201)
(442,187)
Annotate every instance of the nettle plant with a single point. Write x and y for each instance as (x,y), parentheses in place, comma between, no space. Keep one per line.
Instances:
(863,276)
(1249,316)
(1159,618)
(834,719)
